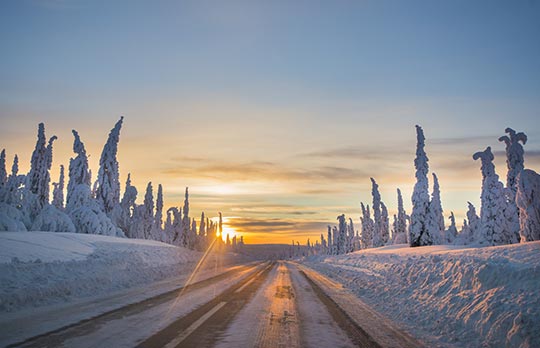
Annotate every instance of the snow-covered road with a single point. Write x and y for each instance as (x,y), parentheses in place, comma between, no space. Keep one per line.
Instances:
(278,304)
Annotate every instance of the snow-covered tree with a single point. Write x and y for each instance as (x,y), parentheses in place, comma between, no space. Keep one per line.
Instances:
(58,191)
(419,233)
(435,218)
(85,212)
(176,228)
(78,171)
(12,219)
(342,235)
(192,237)
(148,212)
(385,224)
(528,202)
(52,219)
(368,227)
(107,189)
(122,214)
(470,228)
(377,232)
(323,242)
(202,226)
(400,229)
(514,157)
(350,238)
(451,233)
(12,215)
(158,217)
(335,238)
(12,193)
(186,221)
(330,240)
(3,172)
(38,177)
(495,227)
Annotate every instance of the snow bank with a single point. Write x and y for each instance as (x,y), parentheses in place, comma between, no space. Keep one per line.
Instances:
(449,296)
(41,268)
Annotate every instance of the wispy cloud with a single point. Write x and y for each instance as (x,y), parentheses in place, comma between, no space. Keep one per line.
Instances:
(265,171)
(481,140)
(276,226)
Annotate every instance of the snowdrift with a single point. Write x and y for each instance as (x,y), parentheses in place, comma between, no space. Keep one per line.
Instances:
(42,268)
(450,296)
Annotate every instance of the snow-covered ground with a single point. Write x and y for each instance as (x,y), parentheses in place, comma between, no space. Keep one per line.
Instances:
(42,268)
(49,280)
(448,296)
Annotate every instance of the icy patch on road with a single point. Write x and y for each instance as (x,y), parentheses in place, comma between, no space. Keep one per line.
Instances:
(449,296)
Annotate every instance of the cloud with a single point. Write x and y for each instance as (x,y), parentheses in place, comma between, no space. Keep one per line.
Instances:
(483,139)
(275,226)
(265,171)
(356,152)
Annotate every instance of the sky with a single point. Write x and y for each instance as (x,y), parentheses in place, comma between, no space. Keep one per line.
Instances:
(275,113)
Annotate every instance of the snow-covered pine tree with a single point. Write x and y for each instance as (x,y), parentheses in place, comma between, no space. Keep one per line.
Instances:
(470,228)
(167,227)
(13,193)
(330,241)
(11,218)
(186,221)
(3,172)
(149,212)
(38,177)
(377,232)
(385,224)
(176,225)
(451,233)
(342,235)
(192,240)
(400,236)
(84,211)
(122,214)
(514,157)
(350,239)
(368,227)
(107,187)
(58,191)
(435,218)
(158,217)
(78,171)
(495,228)
(335,238)
(418,232)
(528,202)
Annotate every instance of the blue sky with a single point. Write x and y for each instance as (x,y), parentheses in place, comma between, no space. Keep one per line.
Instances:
(285,106)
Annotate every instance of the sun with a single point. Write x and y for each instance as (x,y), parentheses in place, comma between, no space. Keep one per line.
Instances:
(227,229)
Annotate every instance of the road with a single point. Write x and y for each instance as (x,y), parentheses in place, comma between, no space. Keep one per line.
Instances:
(266,305)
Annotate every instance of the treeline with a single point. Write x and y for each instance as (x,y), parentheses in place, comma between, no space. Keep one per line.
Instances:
(508,214)
(95,206)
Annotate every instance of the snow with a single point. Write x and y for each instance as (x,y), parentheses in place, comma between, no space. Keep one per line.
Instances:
(448,296)
(40,268)
(130,330)
(528,202)
(50,280)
